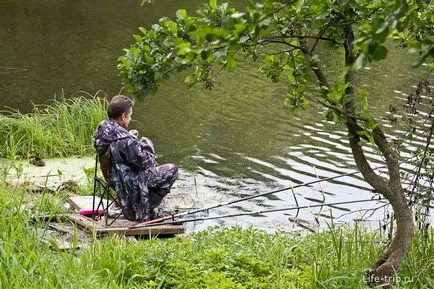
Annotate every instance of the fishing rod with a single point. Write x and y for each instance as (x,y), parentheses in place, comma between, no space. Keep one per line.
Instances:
(249,213)
(245,199)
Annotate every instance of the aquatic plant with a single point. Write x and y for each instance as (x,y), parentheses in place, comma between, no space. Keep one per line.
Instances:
(62,128)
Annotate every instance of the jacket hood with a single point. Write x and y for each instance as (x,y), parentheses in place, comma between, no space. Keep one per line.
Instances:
(107,132)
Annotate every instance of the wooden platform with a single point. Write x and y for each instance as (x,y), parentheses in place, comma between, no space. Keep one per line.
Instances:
(86,203)
(122,227)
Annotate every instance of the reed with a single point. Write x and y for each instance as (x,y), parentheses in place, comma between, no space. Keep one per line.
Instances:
(61,128)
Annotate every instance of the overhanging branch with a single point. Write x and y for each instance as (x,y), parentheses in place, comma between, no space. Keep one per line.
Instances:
(338,110)
(320,38)
(317,38)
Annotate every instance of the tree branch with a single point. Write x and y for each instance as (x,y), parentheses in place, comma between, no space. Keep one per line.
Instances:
(338,109)
(365,168)
(320,38)
(389,154)
(318,72)
(349,61)
(268,41)
(279,52)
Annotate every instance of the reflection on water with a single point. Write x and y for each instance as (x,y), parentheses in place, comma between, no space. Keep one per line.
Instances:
(236,140)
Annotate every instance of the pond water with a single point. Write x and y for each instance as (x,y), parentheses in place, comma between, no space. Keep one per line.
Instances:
(234,141)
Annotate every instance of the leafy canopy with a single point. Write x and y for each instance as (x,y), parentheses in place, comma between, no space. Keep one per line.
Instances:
(282,36)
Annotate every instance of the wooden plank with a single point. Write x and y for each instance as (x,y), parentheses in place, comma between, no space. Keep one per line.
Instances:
(61,227)
(122,227)
(151,231)
(84,202)
(84,222)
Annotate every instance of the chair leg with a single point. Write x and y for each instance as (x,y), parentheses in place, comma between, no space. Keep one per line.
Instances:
(103,190)
(114,201)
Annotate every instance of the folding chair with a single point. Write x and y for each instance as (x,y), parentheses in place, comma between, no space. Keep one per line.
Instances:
(104,188)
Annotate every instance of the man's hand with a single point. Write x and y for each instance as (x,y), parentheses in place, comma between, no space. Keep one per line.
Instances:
(134,132)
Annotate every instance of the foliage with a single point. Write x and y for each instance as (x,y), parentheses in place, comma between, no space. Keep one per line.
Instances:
(282,34)
(62,128)
(410,22)
(215,258)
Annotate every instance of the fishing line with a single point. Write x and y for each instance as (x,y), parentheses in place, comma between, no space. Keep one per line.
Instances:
(248,213)
(247,198)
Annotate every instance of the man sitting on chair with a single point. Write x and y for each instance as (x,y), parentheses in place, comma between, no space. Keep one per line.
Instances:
(140,183)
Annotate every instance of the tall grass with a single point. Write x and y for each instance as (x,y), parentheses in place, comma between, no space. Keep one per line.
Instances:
(215,258)
(59,129)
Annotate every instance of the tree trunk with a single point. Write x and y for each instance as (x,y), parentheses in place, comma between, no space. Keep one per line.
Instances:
(384,269)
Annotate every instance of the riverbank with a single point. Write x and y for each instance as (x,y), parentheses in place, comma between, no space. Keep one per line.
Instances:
(214,258)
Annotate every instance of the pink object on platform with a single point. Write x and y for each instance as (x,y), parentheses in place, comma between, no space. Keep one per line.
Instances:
(90,212)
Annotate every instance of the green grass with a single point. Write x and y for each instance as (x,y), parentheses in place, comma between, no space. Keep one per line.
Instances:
(62,128)
(215,258)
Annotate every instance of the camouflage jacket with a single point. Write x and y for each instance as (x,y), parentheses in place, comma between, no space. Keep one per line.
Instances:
(130,162)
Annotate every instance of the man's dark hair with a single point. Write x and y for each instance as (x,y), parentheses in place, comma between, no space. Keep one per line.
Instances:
(119,105)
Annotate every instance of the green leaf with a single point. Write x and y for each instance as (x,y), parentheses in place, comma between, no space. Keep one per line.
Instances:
(270,59)
(181,13)
(189,79)
(366,135)
(380,52)
(382,32)
(171,26)
(207,56)
(138,38)
(333,97)
(213,4)
(237,15)
(212,37)
(363,97)
(231,63)
(360,62)
(291,78)
(183,48)
(143,30)
(336,93)
(370,124)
